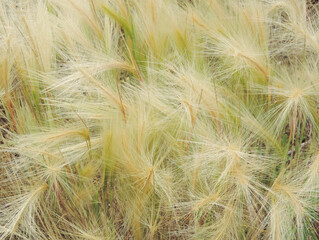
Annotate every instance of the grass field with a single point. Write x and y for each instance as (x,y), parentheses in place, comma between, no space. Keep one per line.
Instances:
(159,119)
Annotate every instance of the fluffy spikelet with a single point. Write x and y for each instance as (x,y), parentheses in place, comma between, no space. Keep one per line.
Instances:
(18,213)
(289,203)
(295,95)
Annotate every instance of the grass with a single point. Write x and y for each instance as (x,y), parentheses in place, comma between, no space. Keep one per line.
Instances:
(166,119)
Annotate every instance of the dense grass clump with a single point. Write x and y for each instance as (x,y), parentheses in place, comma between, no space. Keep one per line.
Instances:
(159,119)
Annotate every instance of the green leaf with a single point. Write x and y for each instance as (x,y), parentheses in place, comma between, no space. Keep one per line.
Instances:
(119,19)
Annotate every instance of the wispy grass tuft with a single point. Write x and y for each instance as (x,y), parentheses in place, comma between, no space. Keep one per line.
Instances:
(134,119)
